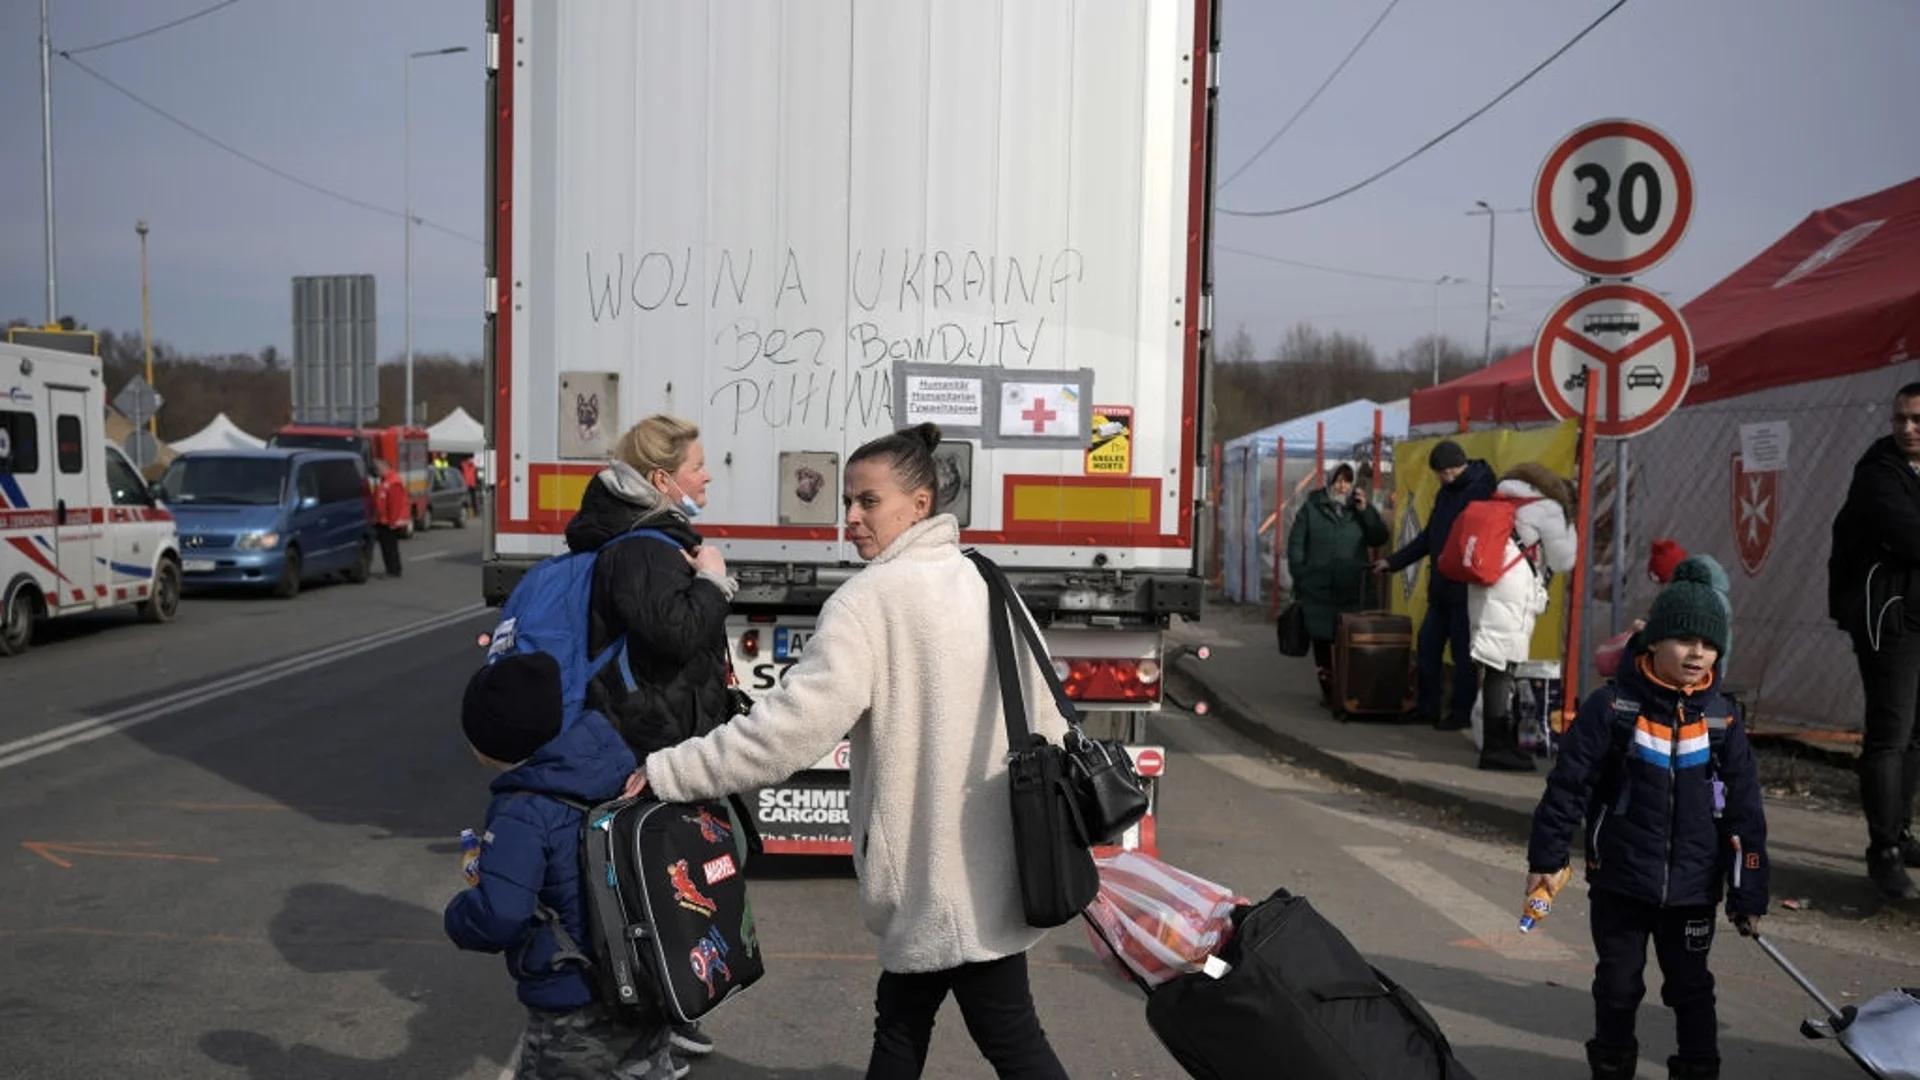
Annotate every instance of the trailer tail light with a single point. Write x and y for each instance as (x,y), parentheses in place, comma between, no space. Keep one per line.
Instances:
(1132,681)
(750,644)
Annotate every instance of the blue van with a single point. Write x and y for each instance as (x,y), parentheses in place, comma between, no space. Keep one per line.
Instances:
(273,518)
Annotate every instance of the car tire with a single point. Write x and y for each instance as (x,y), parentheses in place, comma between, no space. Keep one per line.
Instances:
(460,517)
(163,603)
(287,586)
(362,564)
(16,623)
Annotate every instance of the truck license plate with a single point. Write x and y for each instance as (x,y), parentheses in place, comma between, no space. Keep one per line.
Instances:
(789,643)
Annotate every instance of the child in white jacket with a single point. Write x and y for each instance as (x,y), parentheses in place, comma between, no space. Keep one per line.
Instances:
(1502,615)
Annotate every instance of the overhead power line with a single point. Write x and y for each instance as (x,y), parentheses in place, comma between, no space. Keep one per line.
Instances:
(152,30)
(1443,136)
(1315,96)
(256,162)
(1373,275)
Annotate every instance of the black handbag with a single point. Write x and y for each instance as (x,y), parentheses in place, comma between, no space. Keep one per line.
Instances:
(1111,794)
(1052,844)
(1292,631)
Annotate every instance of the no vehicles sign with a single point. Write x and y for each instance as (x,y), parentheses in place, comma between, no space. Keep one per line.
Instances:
(1613,198)
(1629,342)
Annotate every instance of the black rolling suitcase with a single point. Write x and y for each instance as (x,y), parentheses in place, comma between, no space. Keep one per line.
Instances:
(1299,1000)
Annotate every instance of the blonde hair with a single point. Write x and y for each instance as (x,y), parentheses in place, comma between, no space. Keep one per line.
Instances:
(657,443)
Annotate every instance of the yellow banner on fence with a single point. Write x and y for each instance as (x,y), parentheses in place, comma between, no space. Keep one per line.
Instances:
(1554,447)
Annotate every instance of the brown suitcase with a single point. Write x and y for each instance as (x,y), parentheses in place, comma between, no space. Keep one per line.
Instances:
(1373,665)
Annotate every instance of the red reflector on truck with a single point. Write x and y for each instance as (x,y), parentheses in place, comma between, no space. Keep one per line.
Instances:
(1110,680)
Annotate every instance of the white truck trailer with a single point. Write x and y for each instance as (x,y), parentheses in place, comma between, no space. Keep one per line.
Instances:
(803,225)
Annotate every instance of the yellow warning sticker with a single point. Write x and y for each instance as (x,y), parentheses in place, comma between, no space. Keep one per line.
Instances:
(1110,452)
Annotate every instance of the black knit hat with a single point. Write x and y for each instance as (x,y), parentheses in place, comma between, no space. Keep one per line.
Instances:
(1447,455)
(1694,604)
(512,706)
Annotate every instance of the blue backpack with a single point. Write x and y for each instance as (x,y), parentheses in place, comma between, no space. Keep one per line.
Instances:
(550,611)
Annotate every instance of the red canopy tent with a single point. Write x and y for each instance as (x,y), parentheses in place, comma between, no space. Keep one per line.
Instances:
(1838,294)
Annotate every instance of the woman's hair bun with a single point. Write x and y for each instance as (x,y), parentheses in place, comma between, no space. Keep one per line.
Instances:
(927,435)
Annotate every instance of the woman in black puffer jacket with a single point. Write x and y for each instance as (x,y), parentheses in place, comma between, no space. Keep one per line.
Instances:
(664,589)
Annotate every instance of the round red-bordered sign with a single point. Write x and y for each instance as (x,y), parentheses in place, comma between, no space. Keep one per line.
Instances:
(1613,199)
(1643,378)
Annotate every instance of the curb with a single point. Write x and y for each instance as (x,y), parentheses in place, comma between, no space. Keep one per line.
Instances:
(1238,714)
(1515,825)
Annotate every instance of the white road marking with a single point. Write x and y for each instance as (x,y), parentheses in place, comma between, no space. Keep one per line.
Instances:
(1489,923)
(21,751)
(430,555)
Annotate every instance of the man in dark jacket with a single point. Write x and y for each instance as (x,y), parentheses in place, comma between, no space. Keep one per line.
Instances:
(1446,624)
(1659,770)
(1873,591)
(672,607)
(525,884)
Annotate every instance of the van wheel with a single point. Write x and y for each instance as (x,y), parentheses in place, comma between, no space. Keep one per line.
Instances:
(288,586)
(16,623)
(164,602)
(362,564)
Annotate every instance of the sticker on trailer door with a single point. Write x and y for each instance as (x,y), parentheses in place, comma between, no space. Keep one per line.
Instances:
(798,810)
(1110,450)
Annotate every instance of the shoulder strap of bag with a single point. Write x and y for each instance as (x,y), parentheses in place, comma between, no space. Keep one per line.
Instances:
(1013,703)
(997,583)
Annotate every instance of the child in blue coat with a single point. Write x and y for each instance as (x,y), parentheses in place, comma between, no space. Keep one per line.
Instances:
(529,871)
(1660,772)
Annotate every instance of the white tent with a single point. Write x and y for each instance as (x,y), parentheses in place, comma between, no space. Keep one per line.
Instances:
(459,433)
(219,434)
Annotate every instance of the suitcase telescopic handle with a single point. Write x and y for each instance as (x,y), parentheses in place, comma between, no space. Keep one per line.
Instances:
(1834,1015)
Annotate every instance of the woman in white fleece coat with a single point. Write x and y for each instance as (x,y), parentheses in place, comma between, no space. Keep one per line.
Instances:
(1502,615)
(901,663)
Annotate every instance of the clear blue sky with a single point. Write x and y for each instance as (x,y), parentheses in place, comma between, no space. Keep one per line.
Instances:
(1782,106)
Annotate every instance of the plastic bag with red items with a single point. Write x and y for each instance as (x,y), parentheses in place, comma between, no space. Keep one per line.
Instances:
(1606,658)
(1156,920)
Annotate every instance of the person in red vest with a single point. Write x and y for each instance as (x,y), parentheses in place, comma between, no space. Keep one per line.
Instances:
(392,507)
(470,475)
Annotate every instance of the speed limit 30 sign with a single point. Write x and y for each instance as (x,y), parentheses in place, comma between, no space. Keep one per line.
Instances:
(1613,199)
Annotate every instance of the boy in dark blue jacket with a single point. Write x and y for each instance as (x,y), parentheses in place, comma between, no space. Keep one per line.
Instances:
(529,871)
(1662,775)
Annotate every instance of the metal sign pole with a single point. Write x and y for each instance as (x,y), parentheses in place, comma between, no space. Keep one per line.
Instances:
(1619,534)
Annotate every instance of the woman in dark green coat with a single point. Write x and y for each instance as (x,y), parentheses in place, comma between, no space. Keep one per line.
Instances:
(1327,556)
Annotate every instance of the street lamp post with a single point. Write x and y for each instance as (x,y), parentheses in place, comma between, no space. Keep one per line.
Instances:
(1487,345)
(407,419)
(146,320)
(46,159)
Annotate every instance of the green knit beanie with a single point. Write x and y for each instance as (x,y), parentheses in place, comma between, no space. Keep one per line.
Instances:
(1693,604)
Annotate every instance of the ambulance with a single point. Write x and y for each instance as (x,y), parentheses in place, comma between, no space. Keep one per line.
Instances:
(80,530)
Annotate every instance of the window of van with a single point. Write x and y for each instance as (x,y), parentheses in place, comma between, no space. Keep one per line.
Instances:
(68,451)
(240,481)
(127,487)
(307,481)
(19,443)
(340,482)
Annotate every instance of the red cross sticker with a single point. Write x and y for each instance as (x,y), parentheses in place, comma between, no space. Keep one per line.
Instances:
(1040,415)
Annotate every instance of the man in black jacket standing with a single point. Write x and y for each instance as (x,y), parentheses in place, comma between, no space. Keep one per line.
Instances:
(1446,624)
(1873,588)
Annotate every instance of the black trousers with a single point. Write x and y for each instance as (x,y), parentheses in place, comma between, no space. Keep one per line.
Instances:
(995,1002)
(1446,625)
(1682,938)
(1496,709)
(389,548)
(1890,749)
